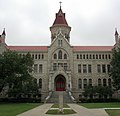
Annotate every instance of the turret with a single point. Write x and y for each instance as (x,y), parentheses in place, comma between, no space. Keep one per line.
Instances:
(60,24)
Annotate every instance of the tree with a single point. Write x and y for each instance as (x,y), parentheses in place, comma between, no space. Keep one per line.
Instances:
(15,73)
(115,68)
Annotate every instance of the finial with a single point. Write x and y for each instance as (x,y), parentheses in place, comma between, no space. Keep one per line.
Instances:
(60,4)
(3,32)
(116,33)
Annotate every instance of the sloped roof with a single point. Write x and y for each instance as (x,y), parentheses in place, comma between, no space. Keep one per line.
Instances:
(28,48)
(92,48)
(60,18)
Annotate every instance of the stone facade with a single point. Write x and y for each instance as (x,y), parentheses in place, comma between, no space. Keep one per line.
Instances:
(61,67)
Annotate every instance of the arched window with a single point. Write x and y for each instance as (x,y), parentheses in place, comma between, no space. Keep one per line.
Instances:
(40,83)
(99,82)
(77,56)
(90,82)
(42,56)
(79,83)
(104,82)
(55,56)
(35,80)
(109,82)
(60,54)
(65,56)
(85,83)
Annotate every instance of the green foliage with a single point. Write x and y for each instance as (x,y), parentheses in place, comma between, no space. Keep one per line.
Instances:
(101,91)
(115,68)
(15,73)
(113,112)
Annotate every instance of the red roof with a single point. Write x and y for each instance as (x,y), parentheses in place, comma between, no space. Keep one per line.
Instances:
(60,18)
(28,48)
(92,48)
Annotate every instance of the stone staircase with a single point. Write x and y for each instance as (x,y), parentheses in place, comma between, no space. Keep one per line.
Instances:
(55,97)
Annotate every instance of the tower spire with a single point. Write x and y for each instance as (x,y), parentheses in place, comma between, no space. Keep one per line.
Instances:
(3,33)
(116,33)
(60,4)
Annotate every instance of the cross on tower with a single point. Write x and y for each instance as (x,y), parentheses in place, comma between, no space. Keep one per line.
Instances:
(60,3)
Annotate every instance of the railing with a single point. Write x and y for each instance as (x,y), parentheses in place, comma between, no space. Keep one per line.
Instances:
(48,97)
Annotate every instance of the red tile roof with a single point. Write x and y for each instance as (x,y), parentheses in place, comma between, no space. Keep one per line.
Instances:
(92,48)
(60,18)
(28,48)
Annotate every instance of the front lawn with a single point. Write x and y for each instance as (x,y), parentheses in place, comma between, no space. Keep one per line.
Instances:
(114,112)
(101,105)
(12,109)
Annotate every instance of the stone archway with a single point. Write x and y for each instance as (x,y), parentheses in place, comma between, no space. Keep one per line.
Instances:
(60,83)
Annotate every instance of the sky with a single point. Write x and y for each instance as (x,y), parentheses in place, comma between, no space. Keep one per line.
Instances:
(27,22)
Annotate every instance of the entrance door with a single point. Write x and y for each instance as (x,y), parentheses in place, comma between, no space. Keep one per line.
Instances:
(60,83)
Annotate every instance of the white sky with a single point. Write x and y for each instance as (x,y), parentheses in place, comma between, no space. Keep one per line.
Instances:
(27,22)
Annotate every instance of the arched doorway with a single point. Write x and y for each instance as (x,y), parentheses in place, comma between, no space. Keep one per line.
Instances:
(60,83)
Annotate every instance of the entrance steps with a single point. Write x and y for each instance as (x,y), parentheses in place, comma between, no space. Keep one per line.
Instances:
(54,98)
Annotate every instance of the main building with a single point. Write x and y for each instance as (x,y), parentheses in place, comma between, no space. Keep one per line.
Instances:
(62,67)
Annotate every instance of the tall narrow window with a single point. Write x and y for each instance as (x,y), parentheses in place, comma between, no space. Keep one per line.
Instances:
(84,68)
(89,68)
(109,82)
(65,56)
(103,68)
(77,56)
(87,56)
(90,56)
(60,54)
(96,56)
(79,68)
(40,68)
(104,82)
(79,83)
(99,56)
(103,56)
(40,83)
(90,82)
(99,82)
(108,68)
(55,56)
(42,56)
(93,56)
(39,56)
(80,56)
(35,56)
(85,83)
(35,68)
(99,68)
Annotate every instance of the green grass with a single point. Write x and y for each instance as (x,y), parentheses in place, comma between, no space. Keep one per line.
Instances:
(101,105)
(16,108)
(56,112)
(57,106)
(114,112)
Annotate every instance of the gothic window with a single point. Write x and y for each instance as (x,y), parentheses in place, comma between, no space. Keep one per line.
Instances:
(90,56)
(87,56)
(40,83)
(93,56)
(99,68)
(99,82)
(60,54)
(55,56)
(106,56)
(83,56)
(39,56)
(89,68)
(40,68)
(42,56)
(108,68)
(96,56)
(35,68)
(65,56)
(99,56)
(35,56)
(109,56)
(85,83)
(80,56)
(35,80)
(109,82)
(103,56)
(84,68)
(103,68)
(79,83)
(104,82)
(77,56)
(90,82)
(79,68)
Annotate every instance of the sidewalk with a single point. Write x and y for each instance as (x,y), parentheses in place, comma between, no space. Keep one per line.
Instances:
(81,111)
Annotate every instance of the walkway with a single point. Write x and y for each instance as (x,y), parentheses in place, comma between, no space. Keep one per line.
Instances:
(81,111)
